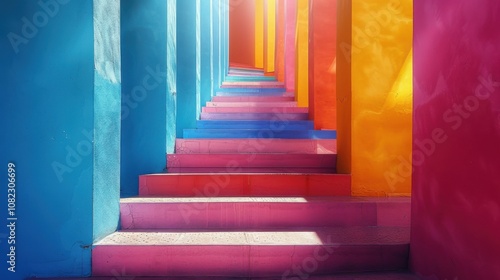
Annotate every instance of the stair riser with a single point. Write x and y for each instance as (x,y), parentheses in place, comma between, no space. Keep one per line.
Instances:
(252,160)
(253,98)
(287,262)
(260,137)
(261,125)
(253,185)
(261,215)
(217,146)
(255,116)
(253,110)
(232,92)
(279,105)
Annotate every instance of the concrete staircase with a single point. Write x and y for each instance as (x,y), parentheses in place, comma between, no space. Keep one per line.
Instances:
(252,192)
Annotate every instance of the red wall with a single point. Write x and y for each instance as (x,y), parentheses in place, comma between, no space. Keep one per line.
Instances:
(322,57)
(456,180)
(242,32)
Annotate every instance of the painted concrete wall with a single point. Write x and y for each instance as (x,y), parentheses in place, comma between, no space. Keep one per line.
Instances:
(344,86)
(107,117)
(290,44)
(280,40)
(269,36)
(456,183)
(55,83)
(242,26)
(322,63)
(259,33)
(144,97)
(381,96)
(302,53)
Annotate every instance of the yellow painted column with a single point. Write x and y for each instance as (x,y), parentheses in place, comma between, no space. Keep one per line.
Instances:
(259,34)
(270,36)
(381,52)
(302,67)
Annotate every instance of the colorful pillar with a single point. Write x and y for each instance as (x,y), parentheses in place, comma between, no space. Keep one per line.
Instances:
(187,66)
(280,40)
(270,36)
(381,96)
(259,34)
(290,44)
(344,91)
(322,63)
(302,52)
(144,91)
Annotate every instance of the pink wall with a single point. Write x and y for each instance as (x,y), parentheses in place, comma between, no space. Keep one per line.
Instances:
(456,179)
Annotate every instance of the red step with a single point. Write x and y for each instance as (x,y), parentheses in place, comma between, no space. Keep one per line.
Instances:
(252,185)
(246,146)
(253,160)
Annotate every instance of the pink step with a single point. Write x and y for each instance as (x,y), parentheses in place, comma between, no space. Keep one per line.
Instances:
(253,104)
(252,254)
(245,146)
(253,98)
(253,160)
(252,185)
(302,110)
(122,275)
(247,213)
(243,84)
(255,116)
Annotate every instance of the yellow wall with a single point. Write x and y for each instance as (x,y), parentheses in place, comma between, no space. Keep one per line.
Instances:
(381,96)
(302,67)
(270,41)
(259,33)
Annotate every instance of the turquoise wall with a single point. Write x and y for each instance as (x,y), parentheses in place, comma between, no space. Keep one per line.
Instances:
(52,98)
(107,117)
(144,96)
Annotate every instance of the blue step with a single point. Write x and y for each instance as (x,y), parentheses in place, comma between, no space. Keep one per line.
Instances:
(277,125)
(258,133)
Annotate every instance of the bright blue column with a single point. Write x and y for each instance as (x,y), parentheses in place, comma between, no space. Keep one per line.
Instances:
(216,43)
(187,74)
(206,59)
(107,117)
(171,75)
(47,112)
(144,90)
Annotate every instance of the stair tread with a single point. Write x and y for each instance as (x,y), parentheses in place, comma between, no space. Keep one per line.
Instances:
(354,236)
(264,200)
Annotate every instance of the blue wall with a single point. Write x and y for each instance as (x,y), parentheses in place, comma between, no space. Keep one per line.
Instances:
(47,88)
(107,117)
(187,78)
(144,96)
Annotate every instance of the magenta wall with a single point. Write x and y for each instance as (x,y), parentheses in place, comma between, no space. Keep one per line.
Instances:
(456,180)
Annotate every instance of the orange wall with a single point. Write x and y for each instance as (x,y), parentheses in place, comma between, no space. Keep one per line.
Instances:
(322,63)
(242,24)
(280,41)
(381,96)
(344,87)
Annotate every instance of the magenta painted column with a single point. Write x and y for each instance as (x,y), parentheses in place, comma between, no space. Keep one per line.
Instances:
(290,47)
(456,154)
